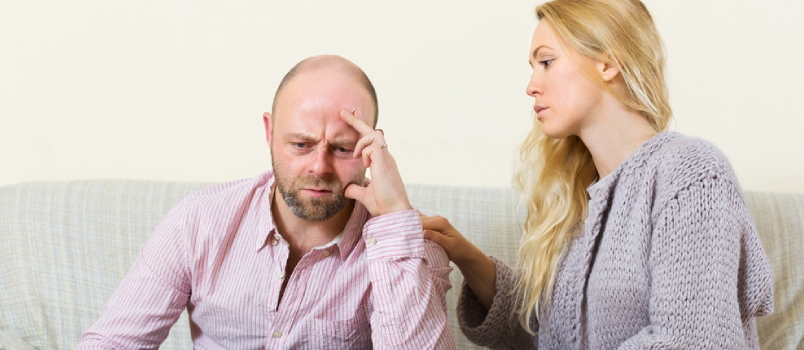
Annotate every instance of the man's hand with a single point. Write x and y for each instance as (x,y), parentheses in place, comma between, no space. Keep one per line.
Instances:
(386,193)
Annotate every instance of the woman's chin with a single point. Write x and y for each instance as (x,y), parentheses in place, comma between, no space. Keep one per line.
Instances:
(555,134)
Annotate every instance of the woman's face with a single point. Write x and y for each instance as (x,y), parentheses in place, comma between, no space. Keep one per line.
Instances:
(565,96)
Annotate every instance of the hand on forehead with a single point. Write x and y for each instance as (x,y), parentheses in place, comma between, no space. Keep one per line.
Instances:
(356,120)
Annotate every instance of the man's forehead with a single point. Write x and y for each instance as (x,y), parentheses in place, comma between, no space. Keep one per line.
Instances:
(335,86)
(316,82)
(327,75)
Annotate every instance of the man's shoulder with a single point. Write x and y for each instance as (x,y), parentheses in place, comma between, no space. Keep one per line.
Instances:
(228,188)
(226,195)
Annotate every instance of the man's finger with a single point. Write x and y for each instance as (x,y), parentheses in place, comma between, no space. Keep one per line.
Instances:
(354,191)
(367,140)
(367,156)
(351,119)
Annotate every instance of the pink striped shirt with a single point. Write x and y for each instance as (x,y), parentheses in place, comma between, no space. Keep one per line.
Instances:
(379,284)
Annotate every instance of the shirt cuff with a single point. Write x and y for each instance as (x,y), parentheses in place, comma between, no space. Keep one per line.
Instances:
(395,235)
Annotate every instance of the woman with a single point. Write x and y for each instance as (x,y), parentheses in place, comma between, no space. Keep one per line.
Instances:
(635,237)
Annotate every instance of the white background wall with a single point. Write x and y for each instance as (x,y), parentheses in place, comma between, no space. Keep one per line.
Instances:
(175,89)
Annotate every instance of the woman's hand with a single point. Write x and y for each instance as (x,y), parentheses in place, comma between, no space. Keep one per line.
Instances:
(477,268)
(440,231)
(386,193)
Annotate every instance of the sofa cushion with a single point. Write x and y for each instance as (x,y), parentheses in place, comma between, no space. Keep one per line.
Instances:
(11,341)
(491,218)
(67,245)
(779,218)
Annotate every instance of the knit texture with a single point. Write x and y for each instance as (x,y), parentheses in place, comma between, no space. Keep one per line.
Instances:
(668,257)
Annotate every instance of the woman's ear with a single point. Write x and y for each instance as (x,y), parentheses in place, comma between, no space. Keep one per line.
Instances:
(606,71)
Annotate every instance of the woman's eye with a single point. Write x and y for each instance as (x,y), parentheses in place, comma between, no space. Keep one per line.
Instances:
(546,63)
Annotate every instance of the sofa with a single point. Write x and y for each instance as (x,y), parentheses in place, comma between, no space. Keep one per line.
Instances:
(65,246)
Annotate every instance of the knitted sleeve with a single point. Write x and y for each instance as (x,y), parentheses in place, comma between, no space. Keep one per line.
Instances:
(497,328)
(698,262)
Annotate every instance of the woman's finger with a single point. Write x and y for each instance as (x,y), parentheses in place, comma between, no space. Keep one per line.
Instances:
(437,238)
(428,235)
(449,244)
(436,223)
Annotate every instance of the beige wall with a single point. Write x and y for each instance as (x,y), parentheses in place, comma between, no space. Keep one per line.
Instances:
(174,90)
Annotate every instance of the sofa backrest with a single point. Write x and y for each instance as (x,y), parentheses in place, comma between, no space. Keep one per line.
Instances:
(65,246)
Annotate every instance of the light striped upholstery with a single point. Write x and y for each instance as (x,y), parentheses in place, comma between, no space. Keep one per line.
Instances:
(488,217)
(780,220)
(65,246)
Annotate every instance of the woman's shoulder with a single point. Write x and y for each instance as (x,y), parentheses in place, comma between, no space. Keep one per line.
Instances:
(682,156)
(680,161)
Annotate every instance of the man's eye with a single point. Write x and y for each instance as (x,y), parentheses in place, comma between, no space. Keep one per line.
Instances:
(343,150)
(300,145)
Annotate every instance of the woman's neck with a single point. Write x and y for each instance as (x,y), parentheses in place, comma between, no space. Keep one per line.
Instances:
(614,136)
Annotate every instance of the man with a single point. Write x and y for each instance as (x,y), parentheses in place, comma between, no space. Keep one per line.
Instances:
(290,259)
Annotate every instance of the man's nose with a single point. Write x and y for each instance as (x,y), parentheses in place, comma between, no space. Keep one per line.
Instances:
(322,162)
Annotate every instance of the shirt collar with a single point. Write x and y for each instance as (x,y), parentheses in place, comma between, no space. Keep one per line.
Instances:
(266,227)
(353,230)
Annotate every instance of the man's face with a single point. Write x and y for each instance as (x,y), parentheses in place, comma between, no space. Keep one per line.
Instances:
(311,147)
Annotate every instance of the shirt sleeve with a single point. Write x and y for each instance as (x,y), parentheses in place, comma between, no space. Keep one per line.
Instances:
(410,280)
(498,327)
(709,274)
(151,297)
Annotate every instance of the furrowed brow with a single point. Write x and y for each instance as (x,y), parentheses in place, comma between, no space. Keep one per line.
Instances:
(301,137)
(344,142)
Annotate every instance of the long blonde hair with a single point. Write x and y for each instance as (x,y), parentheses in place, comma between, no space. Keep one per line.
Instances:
(554,174)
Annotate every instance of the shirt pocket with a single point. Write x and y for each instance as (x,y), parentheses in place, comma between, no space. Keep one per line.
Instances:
(354,333)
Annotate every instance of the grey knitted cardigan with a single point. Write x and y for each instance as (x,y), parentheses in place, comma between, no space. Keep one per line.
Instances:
(668,258)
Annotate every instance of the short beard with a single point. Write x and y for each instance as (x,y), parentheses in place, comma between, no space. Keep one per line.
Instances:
(313,209)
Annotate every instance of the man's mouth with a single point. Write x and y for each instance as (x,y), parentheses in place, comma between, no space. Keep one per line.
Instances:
(317,192)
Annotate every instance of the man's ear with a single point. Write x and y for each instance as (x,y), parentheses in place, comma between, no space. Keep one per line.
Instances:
(266,119)
(606,71)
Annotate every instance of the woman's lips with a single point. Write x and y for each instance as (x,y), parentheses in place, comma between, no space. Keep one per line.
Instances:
(539,110)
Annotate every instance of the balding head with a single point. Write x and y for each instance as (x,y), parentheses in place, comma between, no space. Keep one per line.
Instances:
(328,63)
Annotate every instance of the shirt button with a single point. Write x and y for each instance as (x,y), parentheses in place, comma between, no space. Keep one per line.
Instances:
(274,241)
(277,334)
(281,274)
(326,253)
(372,241)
